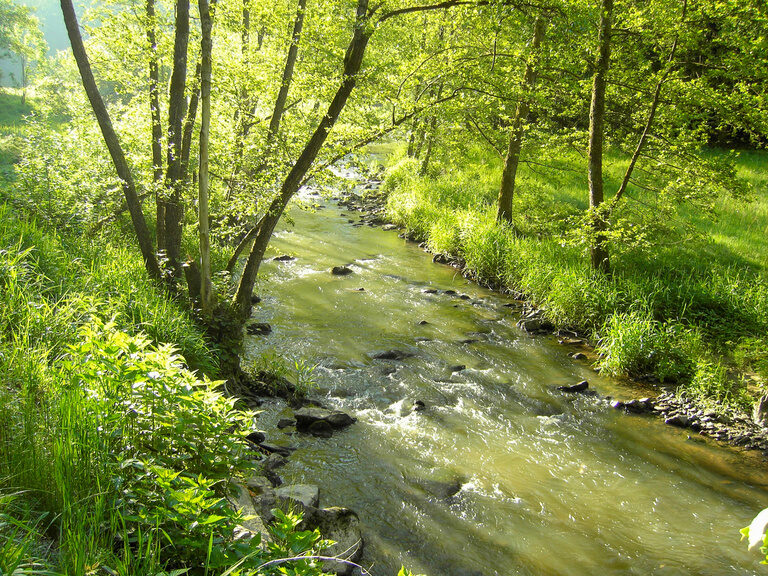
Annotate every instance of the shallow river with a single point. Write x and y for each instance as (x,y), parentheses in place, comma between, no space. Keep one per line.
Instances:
(550,483)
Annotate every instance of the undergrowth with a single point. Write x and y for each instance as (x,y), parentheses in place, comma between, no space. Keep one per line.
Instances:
(116,458)
(687,303)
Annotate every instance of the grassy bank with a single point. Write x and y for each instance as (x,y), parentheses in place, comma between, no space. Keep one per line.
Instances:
(115,458)
(687,303)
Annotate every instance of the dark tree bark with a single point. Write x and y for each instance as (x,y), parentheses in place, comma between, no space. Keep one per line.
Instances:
(512,159)
(174,212)
(353,60)
(157,127)
(598,251)
(111,139)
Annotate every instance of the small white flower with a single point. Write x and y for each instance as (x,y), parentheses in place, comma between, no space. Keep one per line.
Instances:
(757,529)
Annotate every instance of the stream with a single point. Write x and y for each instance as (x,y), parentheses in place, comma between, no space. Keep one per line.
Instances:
(501,474)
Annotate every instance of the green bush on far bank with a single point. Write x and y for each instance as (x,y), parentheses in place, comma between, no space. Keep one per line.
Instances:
(683,304)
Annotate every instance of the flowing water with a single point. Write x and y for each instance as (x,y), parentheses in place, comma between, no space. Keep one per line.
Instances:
(548,483)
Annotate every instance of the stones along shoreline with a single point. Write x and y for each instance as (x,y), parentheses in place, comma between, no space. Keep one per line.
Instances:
(726,425)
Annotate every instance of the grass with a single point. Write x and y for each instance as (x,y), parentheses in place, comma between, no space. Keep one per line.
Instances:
(688,300)
(12,128)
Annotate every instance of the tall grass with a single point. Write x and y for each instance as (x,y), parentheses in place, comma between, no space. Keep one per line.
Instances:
(676,299)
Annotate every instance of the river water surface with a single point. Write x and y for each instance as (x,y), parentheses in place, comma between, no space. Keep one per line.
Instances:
(548,483)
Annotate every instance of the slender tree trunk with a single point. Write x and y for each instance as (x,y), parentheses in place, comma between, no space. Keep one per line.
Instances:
(598,251)
(244,107)
(651,116)
(23,80)
(189,120)
(430,140)
(512,160)
(285,84)
(111,139)
(243,244)
(430,136)
(353,60)
(176,109)
(206,285)
(412,140)
(157,127)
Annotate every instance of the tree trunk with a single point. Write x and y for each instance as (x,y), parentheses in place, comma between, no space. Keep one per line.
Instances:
(111,139)
(512,160)
(174,212)
(243,244)
(353,60)
(285,84)
(430,140)
(189,120)
(206,285)
(157,127)
(244,107)
(598,251)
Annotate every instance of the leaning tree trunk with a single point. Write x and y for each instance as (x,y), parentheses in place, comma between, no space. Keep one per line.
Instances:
(176,108)
(353,60)
(598,251)
(512,160)
(111,139)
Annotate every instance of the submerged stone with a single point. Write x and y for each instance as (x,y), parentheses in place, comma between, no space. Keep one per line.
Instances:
(580,387)
(259,329)
(341,271)
(392,355)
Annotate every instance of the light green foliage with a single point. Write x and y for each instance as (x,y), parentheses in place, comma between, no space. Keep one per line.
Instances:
(669,302)
(297,371)
(20,37)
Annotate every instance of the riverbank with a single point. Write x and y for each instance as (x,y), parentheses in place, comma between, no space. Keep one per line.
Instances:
(722,410)
(116,448)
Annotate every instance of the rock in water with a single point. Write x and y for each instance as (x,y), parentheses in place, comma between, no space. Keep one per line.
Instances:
(259,329)
(308,495)
(284,258)
(319,421)
(321,429)
(580,387)
(341,271)
(341,525)
(284,451)
(256,437)
(392,355)
(760,412)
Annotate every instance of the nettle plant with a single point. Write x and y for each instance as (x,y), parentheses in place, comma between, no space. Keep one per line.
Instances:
(171,443)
